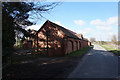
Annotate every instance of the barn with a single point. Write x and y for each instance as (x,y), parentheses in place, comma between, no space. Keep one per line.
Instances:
(55,40)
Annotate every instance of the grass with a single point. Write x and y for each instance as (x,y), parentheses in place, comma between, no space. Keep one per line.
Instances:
(111,49)
(80,52)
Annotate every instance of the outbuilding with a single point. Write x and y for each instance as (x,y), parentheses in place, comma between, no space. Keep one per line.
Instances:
(55,40)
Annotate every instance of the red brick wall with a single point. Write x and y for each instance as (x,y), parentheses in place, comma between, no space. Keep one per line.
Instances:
(80,46)
(73,45)
(58,44)
(85,43)
(55,41)
(69,46)
(89,43)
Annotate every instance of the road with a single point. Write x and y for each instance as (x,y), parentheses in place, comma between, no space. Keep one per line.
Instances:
(97,63)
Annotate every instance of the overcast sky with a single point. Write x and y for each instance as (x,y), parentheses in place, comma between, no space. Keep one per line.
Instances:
(92,19)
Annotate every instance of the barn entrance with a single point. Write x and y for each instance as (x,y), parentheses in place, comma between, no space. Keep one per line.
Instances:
(76,46)
(79,45)
(70,46)
(57,49)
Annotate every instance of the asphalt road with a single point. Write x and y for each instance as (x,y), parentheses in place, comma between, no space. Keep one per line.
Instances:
(97,63)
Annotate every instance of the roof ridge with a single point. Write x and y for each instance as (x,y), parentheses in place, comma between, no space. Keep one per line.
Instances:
(67,32)
(62,27)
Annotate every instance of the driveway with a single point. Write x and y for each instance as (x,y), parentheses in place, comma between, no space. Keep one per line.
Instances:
(97,63)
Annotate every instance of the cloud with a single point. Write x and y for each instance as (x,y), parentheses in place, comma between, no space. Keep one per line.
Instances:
(37,27)
(105,25)
(84,31)
(105,28)
(112,21)
(34,27)
(109,22)
(59,23)
(79,22)
(97,22)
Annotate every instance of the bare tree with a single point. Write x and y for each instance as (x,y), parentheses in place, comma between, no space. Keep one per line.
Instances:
(114,39)
(92,39)
(17,16)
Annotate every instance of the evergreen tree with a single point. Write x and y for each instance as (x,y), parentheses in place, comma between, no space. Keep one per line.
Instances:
(15,17)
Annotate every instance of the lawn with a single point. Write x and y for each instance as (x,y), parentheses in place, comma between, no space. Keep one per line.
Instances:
(80,52)
(111,49)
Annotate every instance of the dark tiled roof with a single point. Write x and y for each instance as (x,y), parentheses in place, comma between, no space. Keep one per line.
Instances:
(80,35)
(85,39)
(67,32)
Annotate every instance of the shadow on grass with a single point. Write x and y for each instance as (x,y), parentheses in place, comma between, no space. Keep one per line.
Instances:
(116,52)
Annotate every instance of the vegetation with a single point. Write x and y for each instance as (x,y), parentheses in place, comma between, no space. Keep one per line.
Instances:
(16,16)
(80,52)
(114,39)
(26,57)
(111,49)
(102,42)
(111,46)
(92,40)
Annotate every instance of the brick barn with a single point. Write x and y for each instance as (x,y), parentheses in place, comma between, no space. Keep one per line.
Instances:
(55,40)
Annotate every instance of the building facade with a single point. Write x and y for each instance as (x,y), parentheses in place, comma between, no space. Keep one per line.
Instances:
(55,40)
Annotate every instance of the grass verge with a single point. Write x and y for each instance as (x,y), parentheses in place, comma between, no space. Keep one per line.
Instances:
(80,52)
(111,49)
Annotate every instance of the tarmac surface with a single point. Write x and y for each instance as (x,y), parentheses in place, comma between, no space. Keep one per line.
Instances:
(97,63)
